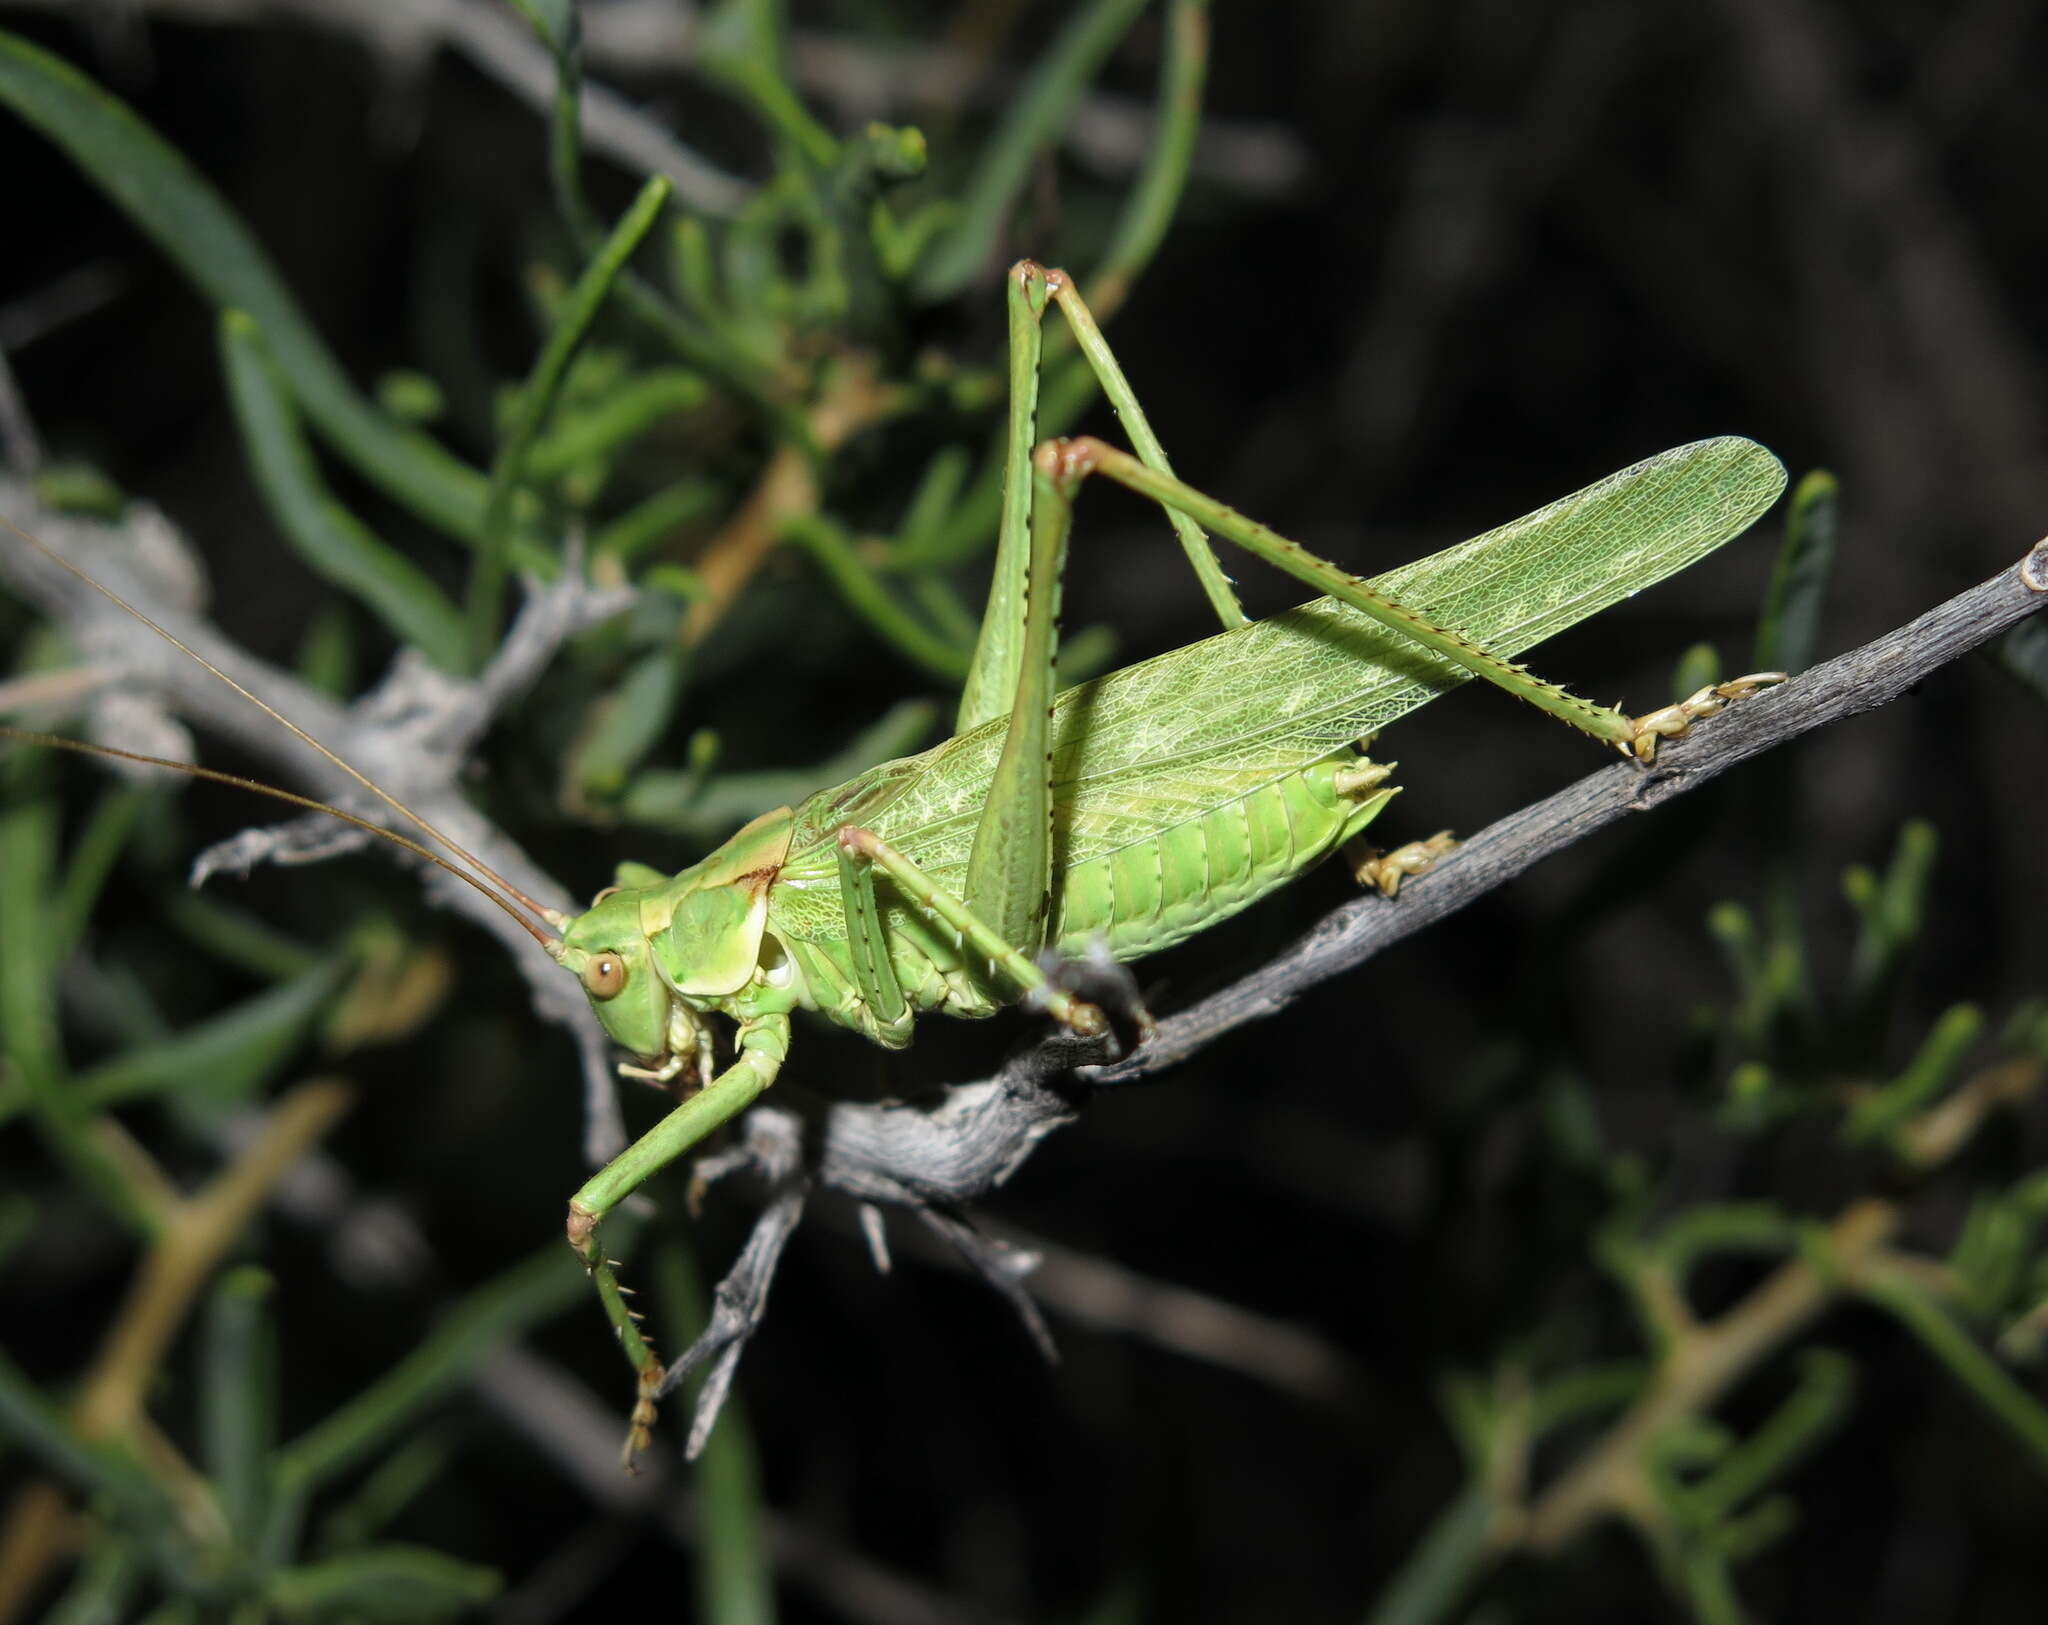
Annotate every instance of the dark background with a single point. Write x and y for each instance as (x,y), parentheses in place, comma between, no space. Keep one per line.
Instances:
(1439,264)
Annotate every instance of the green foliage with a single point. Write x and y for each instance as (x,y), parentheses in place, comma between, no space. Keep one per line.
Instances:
(1792,1045)
(1704,1496)
(702,400)
(188,218)
(734,330)
(327,536)
(777,327)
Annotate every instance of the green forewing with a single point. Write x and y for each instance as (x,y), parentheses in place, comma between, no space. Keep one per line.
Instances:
(1151,745)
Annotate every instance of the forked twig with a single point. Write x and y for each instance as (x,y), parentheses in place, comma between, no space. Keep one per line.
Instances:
(414,733)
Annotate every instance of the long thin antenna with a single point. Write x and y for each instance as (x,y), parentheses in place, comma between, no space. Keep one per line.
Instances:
(29,736)
(286,722)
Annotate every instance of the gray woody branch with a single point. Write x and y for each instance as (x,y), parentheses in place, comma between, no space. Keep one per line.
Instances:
(413,733)
(1861,680)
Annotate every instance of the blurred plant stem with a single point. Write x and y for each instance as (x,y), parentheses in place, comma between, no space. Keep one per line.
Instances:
(1627,1471)
(193,1235)
(787,489)
(1700,1363)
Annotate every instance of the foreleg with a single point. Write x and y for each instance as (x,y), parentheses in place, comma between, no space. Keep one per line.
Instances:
(763,1045)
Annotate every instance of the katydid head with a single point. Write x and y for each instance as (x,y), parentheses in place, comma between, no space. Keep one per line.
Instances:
(654,952)
(606,949)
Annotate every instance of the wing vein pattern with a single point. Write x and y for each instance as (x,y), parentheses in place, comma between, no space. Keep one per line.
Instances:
(1168,740)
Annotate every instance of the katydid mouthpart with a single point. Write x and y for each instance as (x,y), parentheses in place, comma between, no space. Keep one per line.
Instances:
(1122,815)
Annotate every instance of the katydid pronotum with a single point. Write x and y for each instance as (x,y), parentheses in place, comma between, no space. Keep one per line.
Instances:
(1124,814)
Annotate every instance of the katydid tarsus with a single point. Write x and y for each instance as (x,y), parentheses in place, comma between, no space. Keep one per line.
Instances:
(1124,814)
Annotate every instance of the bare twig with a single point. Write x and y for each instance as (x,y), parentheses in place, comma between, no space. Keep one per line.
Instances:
(1861,680)
(377,1246)
(1115,1299)
(412,734)
(570,1426)
(64,299)
(50,690)
(1611,1476)
(194,1234)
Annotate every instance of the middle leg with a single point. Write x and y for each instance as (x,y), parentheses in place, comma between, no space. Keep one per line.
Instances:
(1004,957)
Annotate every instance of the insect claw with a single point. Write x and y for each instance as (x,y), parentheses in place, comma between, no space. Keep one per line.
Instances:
(1083,1019)
(1672,721)
(1386,870)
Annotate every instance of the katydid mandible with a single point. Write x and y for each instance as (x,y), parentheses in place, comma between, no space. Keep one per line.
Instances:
(1124,814)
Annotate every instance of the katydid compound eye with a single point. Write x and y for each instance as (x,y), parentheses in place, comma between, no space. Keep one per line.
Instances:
(605,976)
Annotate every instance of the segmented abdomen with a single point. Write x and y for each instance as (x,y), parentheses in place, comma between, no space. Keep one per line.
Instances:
(1162,890)
(1136,898)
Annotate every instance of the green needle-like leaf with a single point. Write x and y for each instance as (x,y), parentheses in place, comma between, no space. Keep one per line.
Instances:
(93,856)
(1827,1383)
(736,1579)
(326,535)
(34,1423)
(875,601)
(536,401)
(625,724)
(1155,197)
(239,1399)
(189,220)
(1924,1077)
(102,1591)
(553,20)
(672,800)
(225,1057)
(626,413)
(1452,1553)
(1945,1338)
(1036,115)
(402,1585)
(29,1039)
(521,1297)
(1789,629)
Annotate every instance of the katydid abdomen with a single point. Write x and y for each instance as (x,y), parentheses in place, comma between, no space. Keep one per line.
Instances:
(1209,853)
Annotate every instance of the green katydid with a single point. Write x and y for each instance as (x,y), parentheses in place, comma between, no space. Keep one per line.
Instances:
(1124,814)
